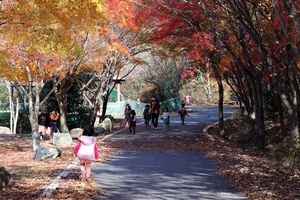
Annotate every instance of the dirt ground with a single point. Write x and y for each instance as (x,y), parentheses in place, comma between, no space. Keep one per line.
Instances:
(29,176)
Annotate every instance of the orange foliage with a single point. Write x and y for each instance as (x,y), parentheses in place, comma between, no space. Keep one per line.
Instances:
(122,12)
(47,30)
(28,67)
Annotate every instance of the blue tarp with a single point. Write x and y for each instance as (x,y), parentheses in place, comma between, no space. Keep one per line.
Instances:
(116,109)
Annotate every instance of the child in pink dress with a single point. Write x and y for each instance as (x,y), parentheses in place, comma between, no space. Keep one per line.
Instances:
(42,126)
(87,151)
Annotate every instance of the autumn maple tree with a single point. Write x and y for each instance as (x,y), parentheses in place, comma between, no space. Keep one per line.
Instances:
(43,42)
(253,45)
(78,36)
(180,28)
(265,58)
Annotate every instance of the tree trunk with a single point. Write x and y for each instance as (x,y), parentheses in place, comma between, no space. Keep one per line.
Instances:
(221,114)
(34,105)
(221,99)
(260,119)
(35,136)
(94,115)
(16,116)
(33,115)
(104,108)
(205,82)
(95,107)
(11,106)
(61,97)
(14,111)
(290,102)
(257,115)
(208,91)
(281,115)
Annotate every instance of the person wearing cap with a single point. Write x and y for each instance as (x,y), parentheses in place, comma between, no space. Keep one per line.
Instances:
(155,111)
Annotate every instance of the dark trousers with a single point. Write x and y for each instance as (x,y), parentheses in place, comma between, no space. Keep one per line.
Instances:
(155,120)
(182,118)
(53,128)
(132,126)
(147,121)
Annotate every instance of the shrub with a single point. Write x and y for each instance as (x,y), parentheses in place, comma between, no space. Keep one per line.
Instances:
(287,154)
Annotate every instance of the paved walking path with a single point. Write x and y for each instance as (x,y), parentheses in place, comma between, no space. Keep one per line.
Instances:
(167,175)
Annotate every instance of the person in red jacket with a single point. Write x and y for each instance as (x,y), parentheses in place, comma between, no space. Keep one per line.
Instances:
(53,122)
(87,151)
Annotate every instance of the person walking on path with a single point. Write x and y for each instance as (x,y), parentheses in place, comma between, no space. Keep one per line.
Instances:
(183,113)
(53,122)
(155,111)
(87,151)
(187,99)
(132,121)
(166,118)
(147,116)
(126,114)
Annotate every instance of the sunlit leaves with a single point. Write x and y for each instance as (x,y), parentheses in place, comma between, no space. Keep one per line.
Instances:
(46,26)
(122,13)
(59,27)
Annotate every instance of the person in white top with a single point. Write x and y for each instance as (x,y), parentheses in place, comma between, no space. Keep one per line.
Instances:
(166,119)
(187,99)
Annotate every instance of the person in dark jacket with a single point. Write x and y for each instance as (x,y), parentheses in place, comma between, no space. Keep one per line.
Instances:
(132,121)
(155,111)
(182,112)
(147,116)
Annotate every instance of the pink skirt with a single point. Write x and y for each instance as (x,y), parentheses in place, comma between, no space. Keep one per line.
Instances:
(42,129)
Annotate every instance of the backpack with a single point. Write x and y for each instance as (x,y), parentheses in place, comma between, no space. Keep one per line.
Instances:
(182,111)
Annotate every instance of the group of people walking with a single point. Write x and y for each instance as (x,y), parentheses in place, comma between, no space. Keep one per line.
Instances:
(151,114)
(86,149)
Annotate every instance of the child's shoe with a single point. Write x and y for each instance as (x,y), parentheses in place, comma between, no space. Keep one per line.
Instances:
(89,179)
(82,177)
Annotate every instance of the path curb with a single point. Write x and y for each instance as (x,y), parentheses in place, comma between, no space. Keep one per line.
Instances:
(205,130)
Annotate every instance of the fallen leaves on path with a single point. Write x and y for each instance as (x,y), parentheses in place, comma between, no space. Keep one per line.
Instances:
(251,172)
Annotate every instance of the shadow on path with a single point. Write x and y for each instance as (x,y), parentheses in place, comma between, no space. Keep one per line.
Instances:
(140,174)
(163,175)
